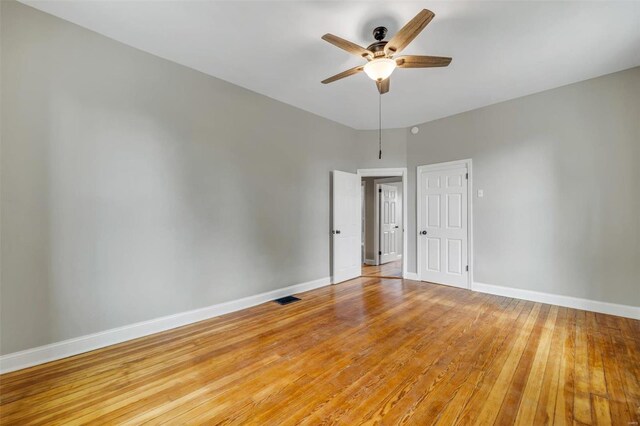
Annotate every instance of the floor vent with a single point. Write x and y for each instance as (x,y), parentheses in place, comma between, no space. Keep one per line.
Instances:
(286,300)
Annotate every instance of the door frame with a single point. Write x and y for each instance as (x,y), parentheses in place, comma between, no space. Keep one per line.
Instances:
(392,172)
(444,166)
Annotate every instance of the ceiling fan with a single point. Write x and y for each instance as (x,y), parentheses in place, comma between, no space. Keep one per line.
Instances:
(380,54)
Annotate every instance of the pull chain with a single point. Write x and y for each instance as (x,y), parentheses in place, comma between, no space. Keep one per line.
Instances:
(380,126)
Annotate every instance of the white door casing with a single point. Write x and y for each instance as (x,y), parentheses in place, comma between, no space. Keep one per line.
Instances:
(442,224)
(346,232)
(388,199)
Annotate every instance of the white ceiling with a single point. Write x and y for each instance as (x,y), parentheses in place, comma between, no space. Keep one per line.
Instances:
(501,50)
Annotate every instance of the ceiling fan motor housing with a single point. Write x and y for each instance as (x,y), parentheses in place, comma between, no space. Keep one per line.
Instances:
(377,48)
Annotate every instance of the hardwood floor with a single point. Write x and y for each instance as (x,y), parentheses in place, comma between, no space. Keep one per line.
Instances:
(387,270)
(367,351)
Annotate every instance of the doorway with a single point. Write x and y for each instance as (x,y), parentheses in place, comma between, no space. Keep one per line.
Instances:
(383,221)
(349,217)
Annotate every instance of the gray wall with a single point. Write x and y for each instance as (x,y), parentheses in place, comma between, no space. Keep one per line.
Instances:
(560,172)
(133,187)
(394,148)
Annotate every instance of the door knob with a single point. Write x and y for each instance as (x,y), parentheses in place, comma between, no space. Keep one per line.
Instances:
(337,231)
(396,226)
(424,232)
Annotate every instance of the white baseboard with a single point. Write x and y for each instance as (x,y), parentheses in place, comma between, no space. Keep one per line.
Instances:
(411,276)
(560,300)
(78,345)
(371,262)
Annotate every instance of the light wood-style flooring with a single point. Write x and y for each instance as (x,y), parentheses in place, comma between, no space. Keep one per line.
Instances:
(386,270)
(368,351)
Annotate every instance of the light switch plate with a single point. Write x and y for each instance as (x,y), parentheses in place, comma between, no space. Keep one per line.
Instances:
(480,193)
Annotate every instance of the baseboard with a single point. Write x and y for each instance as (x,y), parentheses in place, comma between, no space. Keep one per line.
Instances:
(560,300)
(78,345)
(411,276)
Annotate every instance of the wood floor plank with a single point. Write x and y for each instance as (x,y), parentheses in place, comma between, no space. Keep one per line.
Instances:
(368,351)
(428,397)
(384,371)
(533,386)
(546,402)
(500,388)
(597,382)
(627,357)
(601,410)
(399,401)
(581,397)
(478,389)
(613,377)
(515,391)
(485,368)
(563,412)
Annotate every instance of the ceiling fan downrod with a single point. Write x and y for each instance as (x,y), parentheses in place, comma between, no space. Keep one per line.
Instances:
(379,126)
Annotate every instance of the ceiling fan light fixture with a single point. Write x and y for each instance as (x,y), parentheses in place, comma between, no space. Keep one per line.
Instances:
(380,69)
(380,53)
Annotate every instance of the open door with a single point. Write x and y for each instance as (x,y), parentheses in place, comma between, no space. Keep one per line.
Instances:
(388,196)
(346,232)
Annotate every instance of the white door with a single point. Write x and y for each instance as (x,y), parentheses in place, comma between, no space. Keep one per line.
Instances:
(388,210)
(346,226)
(442,225)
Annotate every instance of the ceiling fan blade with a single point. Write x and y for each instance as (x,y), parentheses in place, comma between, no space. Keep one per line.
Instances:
(383,86)
(412,61)
(343,74)
(408,32)
(347,45)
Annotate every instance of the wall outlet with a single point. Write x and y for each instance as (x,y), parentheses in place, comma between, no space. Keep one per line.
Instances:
(480,193)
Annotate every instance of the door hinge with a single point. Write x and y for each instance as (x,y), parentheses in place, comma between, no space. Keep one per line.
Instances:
(467,268)
(380,190)
(466,176)
(379,253)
